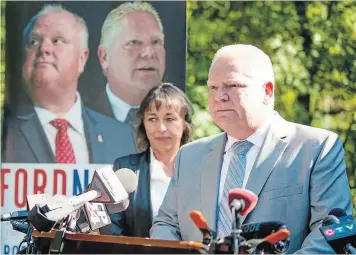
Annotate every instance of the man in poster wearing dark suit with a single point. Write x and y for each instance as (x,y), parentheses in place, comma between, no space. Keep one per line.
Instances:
(132,56)
(297,172)
(57,127)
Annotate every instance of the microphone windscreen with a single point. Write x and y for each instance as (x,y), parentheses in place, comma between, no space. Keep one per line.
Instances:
(128,179)
(120,207)
(278,236)
(198,219)
(247,196)
(337,212)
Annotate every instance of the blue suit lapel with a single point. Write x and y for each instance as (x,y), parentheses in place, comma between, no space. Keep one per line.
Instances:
(95,138)
(270,154)
(210,178)
(35,136)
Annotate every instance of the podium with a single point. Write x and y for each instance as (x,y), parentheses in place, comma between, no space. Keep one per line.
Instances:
(72,243)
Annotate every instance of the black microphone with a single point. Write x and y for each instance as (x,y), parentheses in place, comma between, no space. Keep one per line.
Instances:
(18,215)
(38,219)
(339,232)
(20,226)
(263,229)
(338,212)
(341,215)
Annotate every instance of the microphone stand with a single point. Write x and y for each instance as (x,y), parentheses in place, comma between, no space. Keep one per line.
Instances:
(236,230)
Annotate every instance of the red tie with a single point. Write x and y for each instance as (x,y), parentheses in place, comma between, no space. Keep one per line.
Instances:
(64,148)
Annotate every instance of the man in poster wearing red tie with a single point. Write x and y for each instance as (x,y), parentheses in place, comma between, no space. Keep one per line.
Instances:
(58,128)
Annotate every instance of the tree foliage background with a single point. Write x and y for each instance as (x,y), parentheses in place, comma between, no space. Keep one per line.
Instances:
(312,46)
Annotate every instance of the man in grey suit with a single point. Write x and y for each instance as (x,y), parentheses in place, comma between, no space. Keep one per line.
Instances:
(297,172)
(57,127)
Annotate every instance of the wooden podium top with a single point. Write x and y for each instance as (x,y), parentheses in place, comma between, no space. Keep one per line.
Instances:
(123,241)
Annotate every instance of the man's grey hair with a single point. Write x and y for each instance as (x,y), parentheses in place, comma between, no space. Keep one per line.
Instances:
(263,67)
(49,8)
(111,27)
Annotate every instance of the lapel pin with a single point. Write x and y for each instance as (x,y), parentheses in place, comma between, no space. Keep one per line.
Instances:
(100,138)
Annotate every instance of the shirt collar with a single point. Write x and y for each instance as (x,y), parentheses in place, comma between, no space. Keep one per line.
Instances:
(256,138)
(119,107)
(73,116)
(156,168)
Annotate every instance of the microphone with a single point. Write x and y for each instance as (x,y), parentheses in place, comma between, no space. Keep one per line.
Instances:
(330,220)
(261,229)
(339,232)
(105,187)
(271,237)
(129,181)
(20,226)
(97,214)
(242,200)
(337,212)
(341,215)
(274,234)
(18,215)
(201,223)
(275,243)
(34,199)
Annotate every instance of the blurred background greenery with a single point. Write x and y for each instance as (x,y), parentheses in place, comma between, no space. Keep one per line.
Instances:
(313,49)
(312,46)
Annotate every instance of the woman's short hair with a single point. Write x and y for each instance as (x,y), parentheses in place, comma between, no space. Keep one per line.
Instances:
(165,93)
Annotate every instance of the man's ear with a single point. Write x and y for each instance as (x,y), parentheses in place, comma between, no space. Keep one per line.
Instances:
(269,92)
(83,59)
(103,57)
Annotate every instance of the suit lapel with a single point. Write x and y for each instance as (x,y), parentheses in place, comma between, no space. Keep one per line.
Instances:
(35,136)
(94,137)
(141,205)
(210,178)
(271,152)
(103,104)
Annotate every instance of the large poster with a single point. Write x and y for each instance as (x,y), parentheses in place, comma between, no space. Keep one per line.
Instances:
(74,72)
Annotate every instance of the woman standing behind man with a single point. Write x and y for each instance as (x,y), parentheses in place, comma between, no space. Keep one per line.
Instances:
(164,125)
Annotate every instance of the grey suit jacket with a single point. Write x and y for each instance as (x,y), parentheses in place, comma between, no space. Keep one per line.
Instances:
(24,140)
(299,175)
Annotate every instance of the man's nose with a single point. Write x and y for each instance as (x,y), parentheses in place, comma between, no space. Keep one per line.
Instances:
(221,95)
(148,51)
(45,48)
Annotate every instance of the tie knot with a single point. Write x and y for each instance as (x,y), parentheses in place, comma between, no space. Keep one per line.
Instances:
(60,124)
(131,117)
(242,147)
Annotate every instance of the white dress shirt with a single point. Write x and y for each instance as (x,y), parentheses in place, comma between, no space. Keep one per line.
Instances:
(159,184)
(256,139)
(75,131)
(119,107)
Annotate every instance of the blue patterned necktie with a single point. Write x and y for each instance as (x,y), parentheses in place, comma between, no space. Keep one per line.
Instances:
(234,179)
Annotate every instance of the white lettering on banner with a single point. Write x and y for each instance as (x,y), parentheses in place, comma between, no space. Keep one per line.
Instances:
(19,180)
